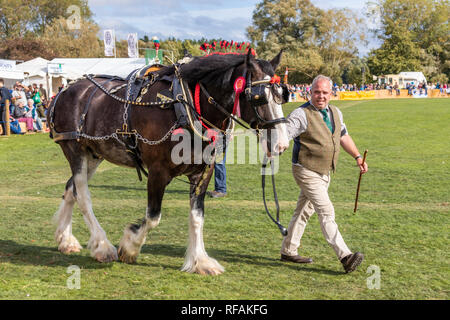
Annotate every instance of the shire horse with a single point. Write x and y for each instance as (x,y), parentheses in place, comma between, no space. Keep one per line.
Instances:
(90,116)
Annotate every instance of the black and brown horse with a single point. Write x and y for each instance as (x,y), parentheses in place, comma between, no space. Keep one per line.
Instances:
(101,114)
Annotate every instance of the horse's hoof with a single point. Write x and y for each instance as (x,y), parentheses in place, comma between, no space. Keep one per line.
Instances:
(70,249)
(106,257)
(125,257)
(70,245)
(103,251)
(210,271)
(205,266)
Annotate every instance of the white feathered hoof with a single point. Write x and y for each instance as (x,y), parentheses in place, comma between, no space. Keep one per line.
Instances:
(127,257)
(130,245)
(129,250)
(69,245)
(103,251)
(204,266)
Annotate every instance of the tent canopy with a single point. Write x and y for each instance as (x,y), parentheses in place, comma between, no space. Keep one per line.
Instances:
(34,67)
(121,67)
(10,77)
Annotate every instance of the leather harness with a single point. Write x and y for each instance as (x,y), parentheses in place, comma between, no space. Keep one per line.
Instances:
(137,84)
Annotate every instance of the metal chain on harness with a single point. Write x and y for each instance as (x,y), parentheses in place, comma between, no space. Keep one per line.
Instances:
(138,136)
(127,102)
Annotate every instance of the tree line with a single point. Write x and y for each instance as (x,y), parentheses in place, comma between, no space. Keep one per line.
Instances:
(414,36)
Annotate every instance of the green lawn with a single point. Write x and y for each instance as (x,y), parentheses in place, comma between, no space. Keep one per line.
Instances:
(402,223)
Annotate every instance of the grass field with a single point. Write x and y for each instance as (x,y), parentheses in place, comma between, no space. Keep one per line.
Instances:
(402,223)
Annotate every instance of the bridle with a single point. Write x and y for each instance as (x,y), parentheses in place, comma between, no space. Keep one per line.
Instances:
(256,96)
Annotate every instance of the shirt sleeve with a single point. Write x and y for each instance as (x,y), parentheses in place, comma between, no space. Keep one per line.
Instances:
(296,123)
(344,130)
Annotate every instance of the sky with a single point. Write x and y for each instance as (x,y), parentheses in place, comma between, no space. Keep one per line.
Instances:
(191,19)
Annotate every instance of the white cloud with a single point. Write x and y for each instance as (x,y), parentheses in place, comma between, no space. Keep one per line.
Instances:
(193,19)
(226,23)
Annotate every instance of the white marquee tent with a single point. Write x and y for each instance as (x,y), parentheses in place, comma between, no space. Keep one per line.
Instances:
(9,72)
(59,71)
(121,67)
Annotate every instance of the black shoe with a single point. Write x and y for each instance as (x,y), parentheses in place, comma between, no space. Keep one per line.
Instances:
(295,259)
(216,194)
(352,261)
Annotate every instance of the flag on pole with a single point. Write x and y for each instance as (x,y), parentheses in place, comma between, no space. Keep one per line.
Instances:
(110,44)
(133,51)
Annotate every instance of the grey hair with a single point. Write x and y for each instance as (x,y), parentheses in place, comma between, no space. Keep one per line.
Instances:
(322,77)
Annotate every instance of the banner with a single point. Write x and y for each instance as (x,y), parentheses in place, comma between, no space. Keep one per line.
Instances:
(110,43)
(133,48)
(55,68)
(356,95)
(7,65)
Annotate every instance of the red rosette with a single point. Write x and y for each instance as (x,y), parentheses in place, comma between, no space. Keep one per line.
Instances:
(275,79)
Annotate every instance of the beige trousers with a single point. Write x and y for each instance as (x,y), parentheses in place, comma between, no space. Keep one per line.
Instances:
(313,198)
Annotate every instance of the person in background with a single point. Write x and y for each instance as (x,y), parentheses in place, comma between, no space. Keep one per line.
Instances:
(44,97)
(5,101)
(21,114)
(19,93)
(32,112)
(220,172)
(28,92)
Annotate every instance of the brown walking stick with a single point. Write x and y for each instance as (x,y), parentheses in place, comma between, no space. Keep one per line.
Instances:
(359,182)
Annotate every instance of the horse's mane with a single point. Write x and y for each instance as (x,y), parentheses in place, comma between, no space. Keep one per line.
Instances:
(215,69)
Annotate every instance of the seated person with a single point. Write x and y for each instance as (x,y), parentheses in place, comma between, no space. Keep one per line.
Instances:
(33,114)
(20,113)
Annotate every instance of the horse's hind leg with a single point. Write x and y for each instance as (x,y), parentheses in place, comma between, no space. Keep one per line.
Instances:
(101,249)
(83,165)
(134,235)
(67,243)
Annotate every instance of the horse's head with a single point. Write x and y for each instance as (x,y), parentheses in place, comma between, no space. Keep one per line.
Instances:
(224,77)
(261,103)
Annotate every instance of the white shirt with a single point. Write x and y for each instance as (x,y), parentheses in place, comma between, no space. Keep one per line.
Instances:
(297,123)
(20,96)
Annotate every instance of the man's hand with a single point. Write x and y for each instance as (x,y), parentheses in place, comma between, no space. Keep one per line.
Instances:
(363,168)
(350,147)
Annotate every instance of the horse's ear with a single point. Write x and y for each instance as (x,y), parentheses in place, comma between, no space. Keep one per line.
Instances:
(276,61)
(186,53)
(249,58)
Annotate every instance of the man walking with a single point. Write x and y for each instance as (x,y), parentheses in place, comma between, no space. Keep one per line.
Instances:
(318,131)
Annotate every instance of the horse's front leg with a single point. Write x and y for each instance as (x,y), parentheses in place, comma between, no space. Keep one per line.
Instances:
(197,260)
(134,235)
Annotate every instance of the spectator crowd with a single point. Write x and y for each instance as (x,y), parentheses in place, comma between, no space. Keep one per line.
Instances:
(27,104)
(304,90)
